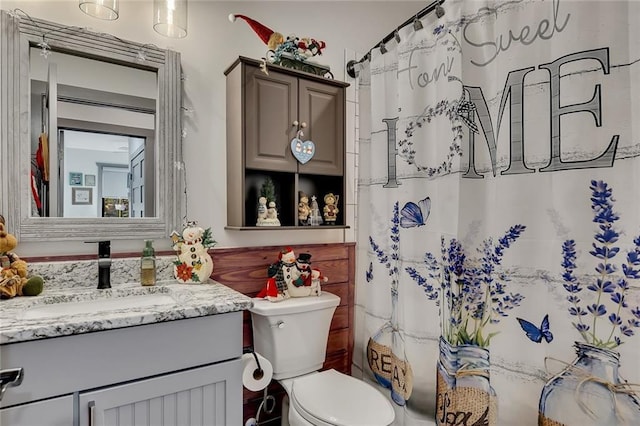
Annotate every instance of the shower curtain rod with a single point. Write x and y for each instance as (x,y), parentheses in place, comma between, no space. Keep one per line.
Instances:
(425,11)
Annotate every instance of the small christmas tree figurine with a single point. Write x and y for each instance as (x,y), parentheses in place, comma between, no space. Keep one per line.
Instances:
(268,195)
(315,219)
(268,190)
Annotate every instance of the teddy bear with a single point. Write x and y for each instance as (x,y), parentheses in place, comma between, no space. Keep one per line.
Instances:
(14,280)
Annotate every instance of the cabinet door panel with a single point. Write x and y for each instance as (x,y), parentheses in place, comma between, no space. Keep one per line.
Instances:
(322,108)
(209,395)
(271,109)
(56,411)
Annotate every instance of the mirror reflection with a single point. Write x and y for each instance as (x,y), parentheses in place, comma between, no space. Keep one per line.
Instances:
(92,145)
(126,89)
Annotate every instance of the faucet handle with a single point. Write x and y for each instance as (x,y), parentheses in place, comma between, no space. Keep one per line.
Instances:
(104,249)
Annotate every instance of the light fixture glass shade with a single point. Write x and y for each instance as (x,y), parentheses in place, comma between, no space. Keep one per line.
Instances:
(170,18)
(101,9)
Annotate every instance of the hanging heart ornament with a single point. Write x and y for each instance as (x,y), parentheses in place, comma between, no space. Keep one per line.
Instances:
(302,150)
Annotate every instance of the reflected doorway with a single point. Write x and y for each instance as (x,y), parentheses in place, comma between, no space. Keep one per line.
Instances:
(100,167)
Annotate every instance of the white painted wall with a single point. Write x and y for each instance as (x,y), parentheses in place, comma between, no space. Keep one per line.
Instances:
(212,44)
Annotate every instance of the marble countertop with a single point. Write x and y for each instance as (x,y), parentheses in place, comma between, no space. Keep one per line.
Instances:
(68,311)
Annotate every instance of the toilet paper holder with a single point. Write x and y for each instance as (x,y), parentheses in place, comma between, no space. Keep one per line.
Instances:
(258,373)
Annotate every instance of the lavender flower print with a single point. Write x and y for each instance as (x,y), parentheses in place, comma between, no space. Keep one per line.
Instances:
(602,314)
(471,292)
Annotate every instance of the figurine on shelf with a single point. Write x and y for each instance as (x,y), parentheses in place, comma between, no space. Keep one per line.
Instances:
(268,197)
(262,210)
(194,264)
(315,219)
(330,209)
(272,215)
(303,209)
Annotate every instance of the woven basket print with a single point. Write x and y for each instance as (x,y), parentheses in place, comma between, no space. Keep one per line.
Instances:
(386,365)
(543,421)
(464,406)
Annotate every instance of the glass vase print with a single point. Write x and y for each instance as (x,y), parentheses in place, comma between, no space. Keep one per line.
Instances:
(589,391)
(465,395)
(385,349)
(390,368)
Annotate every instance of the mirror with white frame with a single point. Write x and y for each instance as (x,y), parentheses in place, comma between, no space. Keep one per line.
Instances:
(90,135)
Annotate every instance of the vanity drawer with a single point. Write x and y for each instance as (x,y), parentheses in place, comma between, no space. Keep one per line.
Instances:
(57,411)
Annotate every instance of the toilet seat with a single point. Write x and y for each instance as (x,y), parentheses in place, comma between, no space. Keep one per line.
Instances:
(330,398)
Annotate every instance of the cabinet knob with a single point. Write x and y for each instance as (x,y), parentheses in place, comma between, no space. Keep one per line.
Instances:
(303,124)
(295,123)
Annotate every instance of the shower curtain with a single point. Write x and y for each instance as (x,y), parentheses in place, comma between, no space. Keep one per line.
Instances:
(498,272)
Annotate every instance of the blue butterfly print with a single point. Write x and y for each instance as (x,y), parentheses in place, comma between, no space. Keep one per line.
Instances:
(369,273)
(415,214)
(534,333)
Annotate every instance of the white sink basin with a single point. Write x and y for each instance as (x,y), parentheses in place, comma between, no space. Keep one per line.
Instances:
(117,302)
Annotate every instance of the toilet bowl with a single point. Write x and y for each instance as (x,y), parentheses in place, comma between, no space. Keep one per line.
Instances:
(292,334)
(330,398)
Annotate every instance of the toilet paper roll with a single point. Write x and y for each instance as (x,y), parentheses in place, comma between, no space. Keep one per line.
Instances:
(252,378)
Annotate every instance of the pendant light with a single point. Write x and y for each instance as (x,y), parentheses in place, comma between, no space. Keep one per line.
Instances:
(170,18)
(101,9)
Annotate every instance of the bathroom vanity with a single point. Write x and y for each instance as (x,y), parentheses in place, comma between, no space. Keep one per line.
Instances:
(173,357)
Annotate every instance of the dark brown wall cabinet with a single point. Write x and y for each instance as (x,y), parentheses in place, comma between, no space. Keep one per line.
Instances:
(264,113)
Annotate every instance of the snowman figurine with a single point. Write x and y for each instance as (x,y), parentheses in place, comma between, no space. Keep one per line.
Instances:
(194,264)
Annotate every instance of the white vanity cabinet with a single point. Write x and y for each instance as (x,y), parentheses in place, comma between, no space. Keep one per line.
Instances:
(180,372)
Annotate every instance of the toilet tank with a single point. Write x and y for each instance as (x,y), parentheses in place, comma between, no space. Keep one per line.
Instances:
(292,334)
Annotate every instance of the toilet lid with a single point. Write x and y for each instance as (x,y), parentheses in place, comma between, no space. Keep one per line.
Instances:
(336,399)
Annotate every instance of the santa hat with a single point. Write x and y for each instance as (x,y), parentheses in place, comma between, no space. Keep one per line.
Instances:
(263,32)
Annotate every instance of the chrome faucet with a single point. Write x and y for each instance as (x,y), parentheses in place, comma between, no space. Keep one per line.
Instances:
(104,264)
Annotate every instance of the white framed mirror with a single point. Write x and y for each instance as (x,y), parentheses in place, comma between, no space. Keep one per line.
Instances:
(117,177)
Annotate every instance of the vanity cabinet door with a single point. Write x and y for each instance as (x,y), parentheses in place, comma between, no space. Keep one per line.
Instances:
(210,395)
(53,412)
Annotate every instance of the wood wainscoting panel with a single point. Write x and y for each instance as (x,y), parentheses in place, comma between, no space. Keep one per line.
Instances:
(245,270)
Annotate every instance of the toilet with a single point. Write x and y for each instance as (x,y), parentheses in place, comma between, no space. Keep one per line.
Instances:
(292,335)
